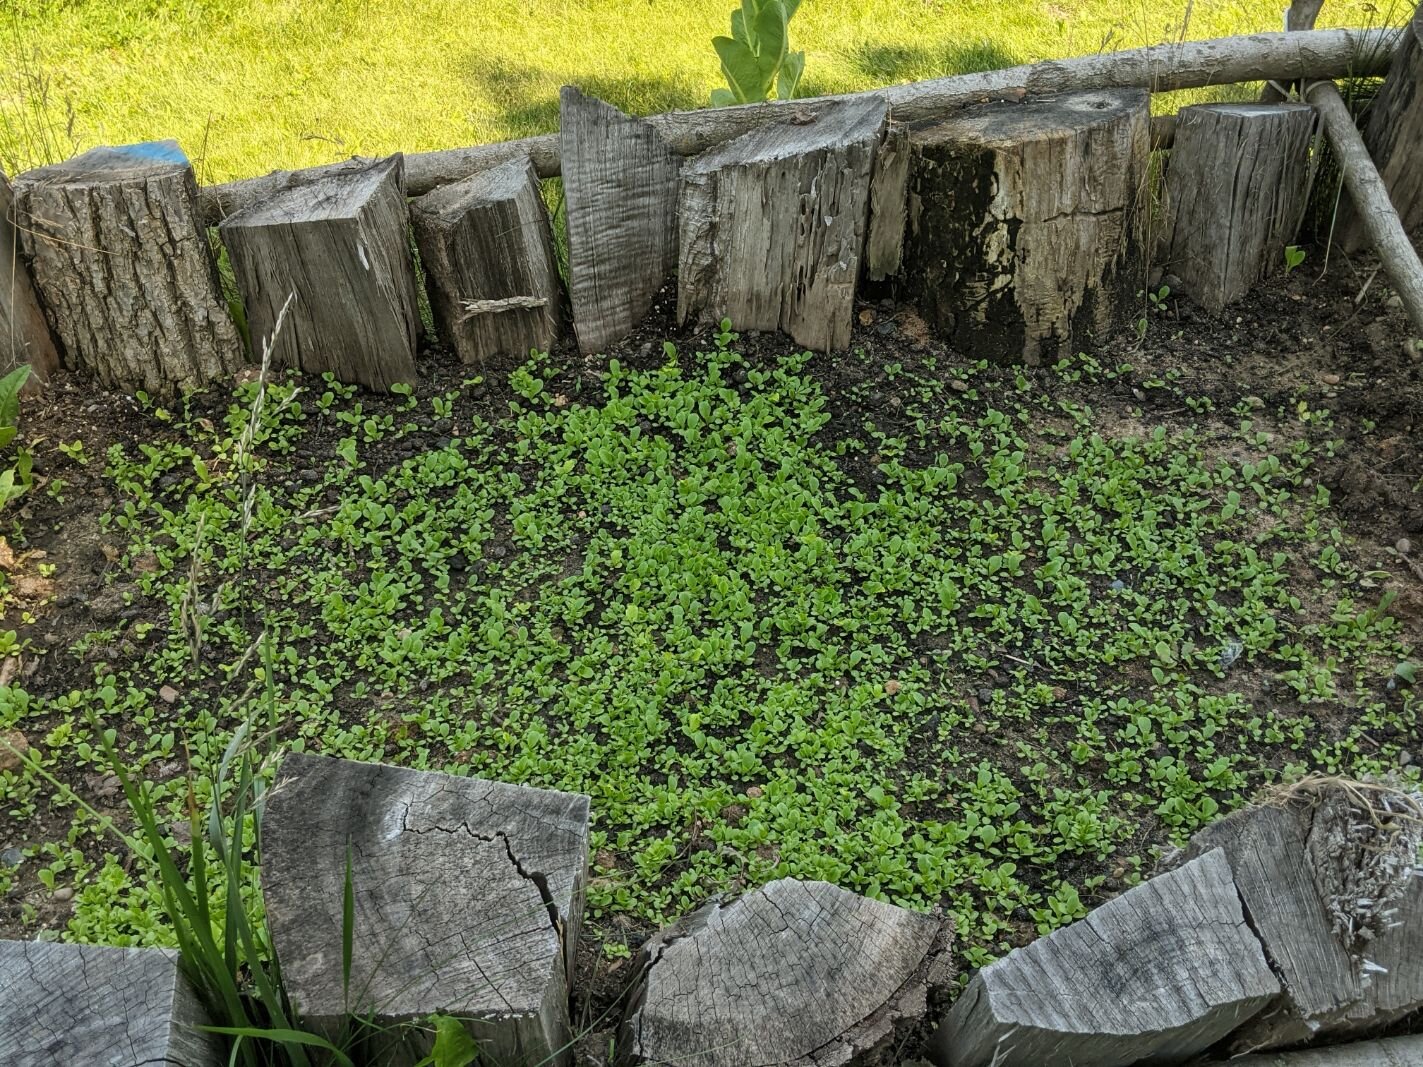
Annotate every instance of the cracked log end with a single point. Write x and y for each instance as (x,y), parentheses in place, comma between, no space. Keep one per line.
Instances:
(1025,222)
(121,261)
(487,250)
(1159,974)
(468,898)
(340,242)
(101,1007)
(24,332)
(795,973)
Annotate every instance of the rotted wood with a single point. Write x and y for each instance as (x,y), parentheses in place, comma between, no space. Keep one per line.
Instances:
(889,204)
(121,260)
(772,226)
(1025,222)
(340,243)
(1157,975)
(1236,191)
(24,332)
(620,195)
(490,269)
(98,1006)
(794,974)
(468,899)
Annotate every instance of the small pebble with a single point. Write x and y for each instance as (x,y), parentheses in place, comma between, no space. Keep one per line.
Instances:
(11,858)
(958,385)
(1394,301)
(168,694)
(985,696)
(754,791)
(1330,379)
(1404,546)
(1118,586)
(64,893)
(891,687)
(1405,758)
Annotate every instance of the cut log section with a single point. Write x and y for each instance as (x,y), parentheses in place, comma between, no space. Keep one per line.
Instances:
(121,259)
(772,225)
(340,243)
(1157,975)
(1025,222)
(1393,1052)
(487,250)
(468,898)
(1344,935)
(1236,191)
(101,1007)
(620,196)
(24,333)
(795,974)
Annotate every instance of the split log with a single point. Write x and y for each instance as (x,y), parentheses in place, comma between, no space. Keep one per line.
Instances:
(620,196)
(101,1007)
(795,974)
(1393,1052)
(121,259)
(468,898)
(889,204)
(24,333)
(771,226)
(339,242)
(1394,138)
(1025,222)
(1236,191)
(1160,68)
(1346,965)
(1157,975)
(1379,220)
(487,250)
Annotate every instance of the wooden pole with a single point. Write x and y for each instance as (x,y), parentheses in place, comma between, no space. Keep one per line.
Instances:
(1299,16)
(1160,68)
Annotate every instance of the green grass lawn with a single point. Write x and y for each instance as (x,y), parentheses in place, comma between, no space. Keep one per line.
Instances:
(248,86)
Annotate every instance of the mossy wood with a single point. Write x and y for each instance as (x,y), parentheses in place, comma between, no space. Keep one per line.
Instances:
(1236,190)
(341,244)
(487,250)
(24,331)
(799,974)
(1025,221)
(772,225)
(121,259)
(468,896)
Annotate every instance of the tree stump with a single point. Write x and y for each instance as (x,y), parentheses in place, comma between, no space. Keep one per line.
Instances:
(468,899)
(795,974)
(889,204)
(1343,968)
(1236,191)
(24,333)
(620,196)
(1025,222)
(1393,1052)
(772,224)
(341,244)
(487,251)
(121,259)
(1157,975)
(100,1007)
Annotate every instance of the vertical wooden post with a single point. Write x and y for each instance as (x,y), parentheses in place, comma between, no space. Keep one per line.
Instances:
(24,333)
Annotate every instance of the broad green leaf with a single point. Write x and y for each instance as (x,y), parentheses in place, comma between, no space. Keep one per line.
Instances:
(792,67)
(769,41)
(722,98)
(10,398)
(738,27)
(743,74)
(453,1045)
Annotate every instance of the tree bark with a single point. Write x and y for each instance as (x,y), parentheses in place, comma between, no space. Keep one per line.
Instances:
(468,897)
(620,194)
(122,264)
(1379,219)
(1299,16)
(24,332)
(772,226)
(1025,220)
(796,974)
(1236,190)
(340,243)
(1160,68)
(487,250)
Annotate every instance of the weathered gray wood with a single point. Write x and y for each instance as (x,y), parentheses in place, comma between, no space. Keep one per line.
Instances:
(889,204)
(620,196)
(1391,1052)
(490,269)
(771,225)
(121,260)
(1157,975)
(340,242)
(1331,980)
(801,974)
(1025,222)
(1236,190)
(1394,138)
(100,1007)
(468,899)
(1380,222)
(1300,15)
(24,333)
(1160,68)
